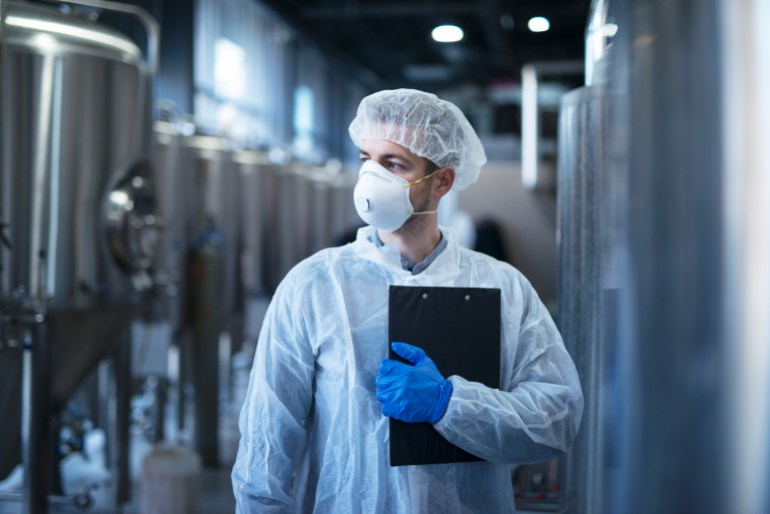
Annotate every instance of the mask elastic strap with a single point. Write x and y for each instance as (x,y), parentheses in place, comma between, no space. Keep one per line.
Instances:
(426,177)
(417,213)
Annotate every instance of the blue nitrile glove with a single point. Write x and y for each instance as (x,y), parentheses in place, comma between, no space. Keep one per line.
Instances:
(412,392)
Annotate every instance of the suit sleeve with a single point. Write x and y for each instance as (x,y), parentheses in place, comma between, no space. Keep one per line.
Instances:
(274,414)
(536,413)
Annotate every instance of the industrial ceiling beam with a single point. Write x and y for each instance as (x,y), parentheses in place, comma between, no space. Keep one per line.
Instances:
(408,10)
(386,11)
(490,14)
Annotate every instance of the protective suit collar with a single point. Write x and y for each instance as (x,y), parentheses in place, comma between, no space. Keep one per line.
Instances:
(442,272)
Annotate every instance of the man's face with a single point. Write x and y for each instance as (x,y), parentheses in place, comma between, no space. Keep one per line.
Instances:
(402,162)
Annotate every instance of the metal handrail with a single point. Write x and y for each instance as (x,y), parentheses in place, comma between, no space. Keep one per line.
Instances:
(150,24)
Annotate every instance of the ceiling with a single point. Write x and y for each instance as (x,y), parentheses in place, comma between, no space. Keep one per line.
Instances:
(388,43)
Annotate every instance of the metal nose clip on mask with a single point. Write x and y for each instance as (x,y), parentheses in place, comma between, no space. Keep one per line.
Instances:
(382,198)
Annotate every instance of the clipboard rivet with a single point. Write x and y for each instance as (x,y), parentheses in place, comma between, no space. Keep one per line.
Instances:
(424,296)
(467,297)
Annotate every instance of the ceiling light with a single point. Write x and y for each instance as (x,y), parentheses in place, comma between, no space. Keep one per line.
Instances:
(538,24)
(447,34)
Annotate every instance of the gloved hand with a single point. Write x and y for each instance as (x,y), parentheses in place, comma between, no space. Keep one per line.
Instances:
(412,392)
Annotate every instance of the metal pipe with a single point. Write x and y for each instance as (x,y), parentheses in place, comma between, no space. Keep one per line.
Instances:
(530,129)
(207,299)
(745,131)
(40,171)
(122,361)
(150,24)
(530,113)
(153,52)
(599,32)
(3,9)
(36,408)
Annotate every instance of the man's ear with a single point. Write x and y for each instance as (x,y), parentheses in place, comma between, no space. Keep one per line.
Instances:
(444,180)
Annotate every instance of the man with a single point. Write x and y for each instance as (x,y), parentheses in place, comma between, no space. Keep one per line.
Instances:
(315,423)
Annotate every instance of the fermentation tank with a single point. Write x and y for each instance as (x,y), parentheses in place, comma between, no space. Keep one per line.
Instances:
(210,182)
(293,215)
(77,209)
(306,208)
(332,211)
(253,168)
(156,331)
(168,261)
(270,188)
(281,221)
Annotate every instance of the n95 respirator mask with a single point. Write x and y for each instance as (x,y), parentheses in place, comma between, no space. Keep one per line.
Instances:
(382,198)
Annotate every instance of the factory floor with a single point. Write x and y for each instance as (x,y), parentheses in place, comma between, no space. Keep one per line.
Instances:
(214,494)
(215,497)
(211,487)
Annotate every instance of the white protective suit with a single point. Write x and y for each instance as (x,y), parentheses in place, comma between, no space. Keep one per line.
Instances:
(313,438)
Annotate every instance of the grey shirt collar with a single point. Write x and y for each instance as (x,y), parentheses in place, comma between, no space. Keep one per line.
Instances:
(407,263)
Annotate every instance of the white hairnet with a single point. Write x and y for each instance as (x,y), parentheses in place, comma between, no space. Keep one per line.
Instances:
(426,125)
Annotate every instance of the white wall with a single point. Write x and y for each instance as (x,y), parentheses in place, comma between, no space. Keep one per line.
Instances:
(528,220)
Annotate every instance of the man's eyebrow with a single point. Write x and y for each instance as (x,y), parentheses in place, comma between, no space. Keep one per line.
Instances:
(396,156)
(387,155)
(399,156)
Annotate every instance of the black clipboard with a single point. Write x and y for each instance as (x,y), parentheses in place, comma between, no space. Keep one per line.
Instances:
(459,329)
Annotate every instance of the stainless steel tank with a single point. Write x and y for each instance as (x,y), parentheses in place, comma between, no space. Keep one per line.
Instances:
(333,214)
(284,235)
(271,186)
(155,333)
(585,291)
(76,193)
(211,184)
(167,264)
(332,211)
(344,218)
(289,211)
(293,215)
(677,354)
(210,181)
(307,208)
(254,167)
(76,186)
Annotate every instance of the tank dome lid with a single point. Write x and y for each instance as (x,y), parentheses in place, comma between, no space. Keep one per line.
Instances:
(49,30)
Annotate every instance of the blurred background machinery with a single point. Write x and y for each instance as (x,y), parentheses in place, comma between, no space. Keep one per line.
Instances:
(80,228)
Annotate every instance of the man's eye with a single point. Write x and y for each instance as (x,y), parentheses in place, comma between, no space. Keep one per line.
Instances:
(363,158)
(394,165)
